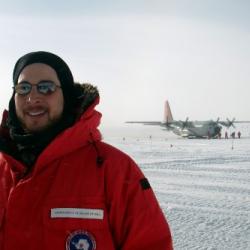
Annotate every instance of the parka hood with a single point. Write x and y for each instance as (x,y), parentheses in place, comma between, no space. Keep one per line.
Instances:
(86,95)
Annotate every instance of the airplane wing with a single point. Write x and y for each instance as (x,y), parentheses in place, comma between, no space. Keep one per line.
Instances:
(157,123)
(179,124)
(229,123)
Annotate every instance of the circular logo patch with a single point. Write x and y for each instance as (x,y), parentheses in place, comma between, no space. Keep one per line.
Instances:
(80,240)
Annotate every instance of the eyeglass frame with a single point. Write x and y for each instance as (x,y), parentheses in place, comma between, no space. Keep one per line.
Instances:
(55,86)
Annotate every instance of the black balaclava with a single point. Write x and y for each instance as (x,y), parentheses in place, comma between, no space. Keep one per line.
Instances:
(30,145)
(62,70)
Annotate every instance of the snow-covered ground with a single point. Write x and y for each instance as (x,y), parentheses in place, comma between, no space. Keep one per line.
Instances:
(203,186)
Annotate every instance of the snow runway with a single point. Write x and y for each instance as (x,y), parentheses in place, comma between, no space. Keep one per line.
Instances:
(203,187)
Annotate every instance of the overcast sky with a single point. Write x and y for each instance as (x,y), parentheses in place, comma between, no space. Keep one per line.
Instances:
(195,53)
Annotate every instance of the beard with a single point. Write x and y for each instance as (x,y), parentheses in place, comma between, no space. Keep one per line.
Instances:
(34,126)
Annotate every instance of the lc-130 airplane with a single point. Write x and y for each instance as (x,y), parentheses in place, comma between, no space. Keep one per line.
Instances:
(191,129)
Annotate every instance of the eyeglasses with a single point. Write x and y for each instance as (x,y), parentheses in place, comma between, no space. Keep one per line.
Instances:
(45,88)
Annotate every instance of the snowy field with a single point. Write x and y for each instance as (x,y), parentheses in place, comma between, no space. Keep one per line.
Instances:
(203,186)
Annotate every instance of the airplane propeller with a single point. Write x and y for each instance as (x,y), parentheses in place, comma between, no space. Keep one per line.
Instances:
(184,124)
(230,123)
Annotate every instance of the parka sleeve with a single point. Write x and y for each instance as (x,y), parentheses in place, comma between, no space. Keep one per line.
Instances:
(136,219)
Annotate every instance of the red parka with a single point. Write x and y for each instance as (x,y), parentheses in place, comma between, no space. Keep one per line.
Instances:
(81,194)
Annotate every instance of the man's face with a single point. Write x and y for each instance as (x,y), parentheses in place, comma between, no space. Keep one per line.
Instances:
(37,111)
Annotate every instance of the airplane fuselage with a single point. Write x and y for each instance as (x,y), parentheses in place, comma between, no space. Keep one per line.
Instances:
(198,130)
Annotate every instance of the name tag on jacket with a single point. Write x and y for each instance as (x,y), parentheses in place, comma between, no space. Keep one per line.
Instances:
(78,213)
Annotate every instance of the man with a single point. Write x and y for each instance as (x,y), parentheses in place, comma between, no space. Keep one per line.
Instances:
(61,187)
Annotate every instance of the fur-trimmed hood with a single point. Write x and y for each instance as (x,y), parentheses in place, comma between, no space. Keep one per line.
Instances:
(86,94)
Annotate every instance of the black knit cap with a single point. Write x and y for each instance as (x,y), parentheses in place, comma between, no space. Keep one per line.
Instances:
(58,64)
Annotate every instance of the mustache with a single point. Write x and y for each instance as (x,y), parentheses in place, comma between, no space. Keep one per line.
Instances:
(30,108)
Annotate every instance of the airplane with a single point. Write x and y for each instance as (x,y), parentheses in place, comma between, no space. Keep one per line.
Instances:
(191,129)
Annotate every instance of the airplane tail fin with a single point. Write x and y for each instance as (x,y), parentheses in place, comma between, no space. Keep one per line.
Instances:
(168,117)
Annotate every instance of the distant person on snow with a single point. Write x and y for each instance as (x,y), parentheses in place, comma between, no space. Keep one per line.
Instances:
(60,185)
(226,135)
(233,135)
(208,134)
(219,135)
(239,134)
